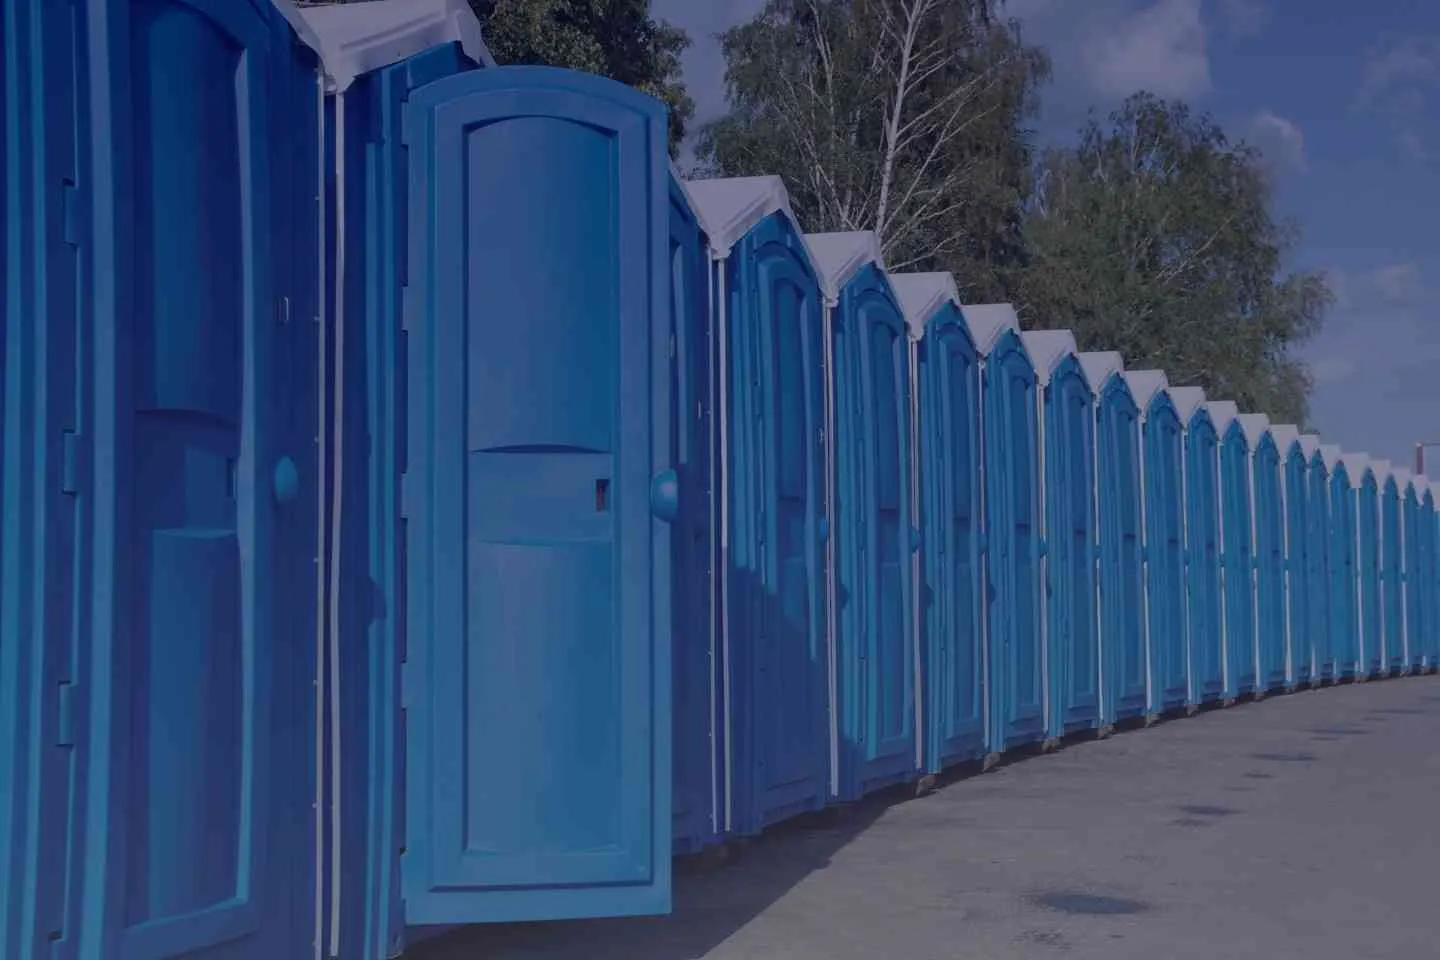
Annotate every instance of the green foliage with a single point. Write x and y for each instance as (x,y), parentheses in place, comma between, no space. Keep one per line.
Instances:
(613,38)
(899,116)
(1155,236)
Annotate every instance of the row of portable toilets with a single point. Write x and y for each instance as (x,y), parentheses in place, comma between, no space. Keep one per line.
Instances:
(421,508)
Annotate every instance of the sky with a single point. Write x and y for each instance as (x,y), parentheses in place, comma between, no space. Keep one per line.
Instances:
(1343,98)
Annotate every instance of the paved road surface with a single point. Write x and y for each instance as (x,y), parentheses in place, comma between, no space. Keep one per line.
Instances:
(1300,827)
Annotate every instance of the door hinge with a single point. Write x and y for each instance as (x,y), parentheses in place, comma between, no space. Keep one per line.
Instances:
(282,311)
(65,715)
(70,212)
(71,465)
(405,496)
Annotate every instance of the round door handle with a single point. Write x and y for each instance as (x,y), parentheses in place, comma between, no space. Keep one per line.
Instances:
(665,495)
(286,482)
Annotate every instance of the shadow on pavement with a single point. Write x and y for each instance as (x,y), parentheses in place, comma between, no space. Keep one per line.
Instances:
(712,900)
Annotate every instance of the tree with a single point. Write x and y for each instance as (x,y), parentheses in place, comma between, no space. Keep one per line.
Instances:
(613,38)
(897,116)
(1155,236)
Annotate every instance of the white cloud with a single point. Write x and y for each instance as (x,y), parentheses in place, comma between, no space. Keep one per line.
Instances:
(1281,140)
(1398,283)
(1331,369)
(1414,146)
(1339,281)
(1374,362)
(1404,68)
(1244,18)
(1161,48)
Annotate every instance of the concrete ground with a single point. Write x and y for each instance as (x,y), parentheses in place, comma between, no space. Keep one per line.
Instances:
(1303,826)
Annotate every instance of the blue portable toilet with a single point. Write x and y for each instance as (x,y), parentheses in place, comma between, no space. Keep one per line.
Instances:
(1203,608)
(402,81)
(1237,549)
(1412,540)
(1066,422)
(1161,479)
(1344,597)
(1430,531)
(1430,528)
(1367,561)
(376,55)
(1318,546)
(874,648)
(158,480)
(1392,602)
(1121,579)
(772,393)
(698,734)
(949,590)
(1425,535)
(1015,673)
(1269,523)
(1295,494)
(1404,537)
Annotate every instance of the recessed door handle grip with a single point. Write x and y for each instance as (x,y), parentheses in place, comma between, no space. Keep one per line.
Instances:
(665,495)
(286,482)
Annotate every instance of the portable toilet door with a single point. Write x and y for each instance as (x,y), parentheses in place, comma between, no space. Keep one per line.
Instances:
(1161,477)
(201,477)
(1350,645)
(874,649)
(1319,561)
(1424,532)
(1308,561)
(771,345)
(1015,670)
(1343,651)
(1367,528)
(1269,555)
(538,553)
(1121,575)
(1067,512)
(1295,493)
(1237,559)
(1413,553)
(1405,522)
(1202,546)
(948,454)
(1391,569)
